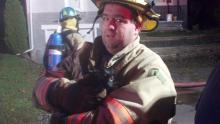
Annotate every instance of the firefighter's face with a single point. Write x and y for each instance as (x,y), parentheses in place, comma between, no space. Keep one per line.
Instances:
(118,27)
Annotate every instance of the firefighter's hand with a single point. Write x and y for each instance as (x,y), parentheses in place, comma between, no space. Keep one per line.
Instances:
(95,78)
(96,82)
(57,118)
(92,91)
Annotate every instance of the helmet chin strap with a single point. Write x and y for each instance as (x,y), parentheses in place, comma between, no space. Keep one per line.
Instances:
(93,24)
(98,15)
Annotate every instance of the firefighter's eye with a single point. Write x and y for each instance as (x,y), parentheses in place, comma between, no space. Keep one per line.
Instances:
(119,19)
(104,18)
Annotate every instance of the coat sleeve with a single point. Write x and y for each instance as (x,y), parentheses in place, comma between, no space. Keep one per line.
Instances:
(73,67)
(39,94)
(60,79)
(48,78)
(109,112)
(65,70)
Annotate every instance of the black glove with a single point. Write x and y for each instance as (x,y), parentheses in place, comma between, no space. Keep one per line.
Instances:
(106,79)
(57,118)
(93,85)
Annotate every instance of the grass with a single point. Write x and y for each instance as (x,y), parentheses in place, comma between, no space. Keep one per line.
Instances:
(17,77)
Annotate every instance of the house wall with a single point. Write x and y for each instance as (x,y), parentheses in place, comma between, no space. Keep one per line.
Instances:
(178,9)
(42,6)
(179,12)
(172,2)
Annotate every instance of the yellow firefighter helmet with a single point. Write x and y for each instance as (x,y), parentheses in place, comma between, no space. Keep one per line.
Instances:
(148,17)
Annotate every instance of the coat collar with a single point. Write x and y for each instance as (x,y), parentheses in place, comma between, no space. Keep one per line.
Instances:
(121,54)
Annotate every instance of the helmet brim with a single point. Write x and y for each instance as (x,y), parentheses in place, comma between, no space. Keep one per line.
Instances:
(145,9)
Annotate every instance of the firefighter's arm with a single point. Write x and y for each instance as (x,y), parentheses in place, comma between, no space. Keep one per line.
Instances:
(40,91)
(44,82)
(148,99)
(68,96)
(109,112)
(42,85)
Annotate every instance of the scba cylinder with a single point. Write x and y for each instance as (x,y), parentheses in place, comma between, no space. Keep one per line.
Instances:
(55,50)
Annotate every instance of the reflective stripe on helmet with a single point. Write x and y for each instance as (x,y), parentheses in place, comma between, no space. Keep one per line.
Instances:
(144,8)
(98,3)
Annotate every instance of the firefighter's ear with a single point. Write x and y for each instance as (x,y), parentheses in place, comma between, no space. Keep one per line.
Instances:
(150,24)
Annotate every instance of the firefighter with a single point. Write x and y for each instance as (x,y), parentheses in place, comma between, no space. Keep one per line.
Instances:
(71,39)
(69,21)
(127,82)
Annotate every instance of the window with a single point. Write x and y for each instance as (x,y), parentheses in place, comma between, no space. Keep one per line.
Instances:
(73,3)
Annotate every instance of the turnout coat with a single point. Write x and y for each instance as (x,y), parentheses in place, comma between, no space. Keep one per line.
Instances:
(144,91)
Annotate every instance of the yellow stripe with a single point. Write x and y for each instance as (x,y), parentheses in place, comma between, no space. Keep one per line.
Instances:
(119,112)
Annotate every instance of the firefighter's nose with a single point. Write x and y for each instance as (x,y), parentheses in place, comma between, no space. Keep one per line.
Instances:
(112,25)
